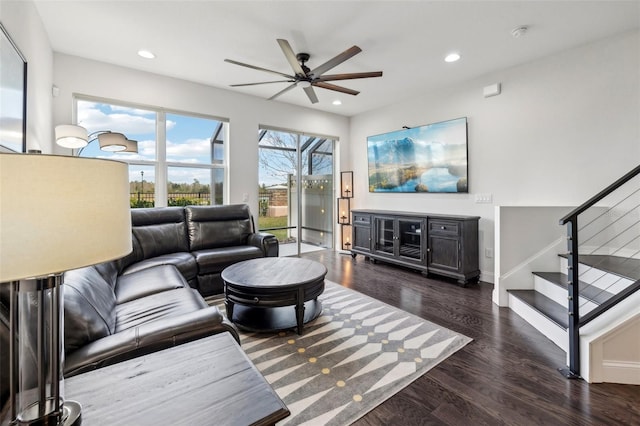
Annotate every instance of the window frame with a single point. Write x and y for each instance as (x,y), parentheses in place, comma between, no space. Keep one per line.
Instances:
(161,165)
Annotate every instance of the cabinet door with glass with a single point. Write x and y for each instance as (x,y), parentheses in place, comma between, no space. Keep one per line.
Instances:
(400,238)
(410,239)
(385,236)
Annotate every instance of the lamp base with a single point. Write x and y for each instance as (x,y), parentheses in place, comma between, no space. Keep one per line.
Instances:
(71,415)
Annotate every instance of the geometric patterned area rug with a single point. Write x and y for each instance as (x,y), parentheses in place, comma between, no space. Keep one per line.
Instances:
(355,355)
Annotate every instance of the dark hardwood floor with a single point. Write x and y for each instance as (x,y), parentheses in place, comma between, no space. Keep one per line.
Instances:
(506,376)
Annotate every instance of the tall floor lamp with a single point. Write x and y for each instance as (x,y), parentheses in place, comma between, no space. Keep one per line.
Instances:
(72,136)
(56,213)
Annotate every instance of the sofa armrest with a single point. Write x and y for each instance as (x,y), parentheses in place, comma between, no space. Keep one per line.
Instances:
(147,338)
(266,242)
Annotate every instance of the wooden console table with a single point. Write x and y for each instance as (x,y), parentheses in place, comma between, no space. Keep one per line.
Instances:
(205,382)
(433,244)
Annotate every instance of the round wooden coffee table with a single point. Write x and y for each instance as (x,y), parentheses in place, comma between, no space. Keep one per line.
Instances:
(259,293)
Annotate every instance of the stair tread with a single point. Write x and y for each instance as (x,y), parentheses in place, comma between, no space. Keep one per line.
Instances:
(626,267)
(546,306)
(590,292)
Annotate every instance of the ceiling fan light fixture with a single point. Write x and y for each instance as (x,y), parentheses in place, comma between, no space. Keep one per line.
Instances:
(337,102)
(307,78)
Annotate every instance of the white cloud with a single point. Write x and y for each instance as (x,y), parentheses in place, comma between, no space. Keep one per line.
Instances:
(131,111)
(92,118)
(190,151)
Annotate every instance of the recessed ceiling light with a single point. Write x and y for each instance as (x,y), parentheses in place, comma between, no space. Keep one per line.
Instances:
(337,102)
(146,54)
(452,57)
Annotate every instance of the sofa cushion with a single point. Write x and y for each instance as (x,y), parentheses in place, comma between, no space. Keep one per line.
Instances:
(108,271)
(185,262)
(136,255)
(89,307)
(160,230)
(148,281)
(210,284)
(168,304)
(218,226)
(147,338)
(215,260)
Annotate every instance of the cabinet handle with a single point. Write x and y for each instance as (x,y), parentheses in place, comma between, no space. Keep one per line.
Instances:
(443,227)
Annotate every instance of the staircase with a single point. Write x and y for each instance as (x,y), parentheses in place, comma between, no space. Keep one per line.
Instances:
(545,306)
(590,305)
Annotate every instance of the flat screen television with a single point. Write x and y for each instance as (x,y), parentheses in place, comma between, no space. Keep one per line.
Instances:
(429,158)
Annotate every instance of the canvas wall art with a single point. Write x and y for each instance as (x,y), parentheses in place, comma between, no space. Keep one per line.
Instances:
(429,158)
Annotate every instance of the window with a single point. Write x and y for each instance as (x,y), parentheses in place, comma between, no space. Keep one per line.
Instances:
(180,158)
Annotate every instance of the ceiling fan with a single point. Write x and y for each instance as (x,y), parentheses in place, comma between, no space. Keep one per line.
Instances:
(305,77)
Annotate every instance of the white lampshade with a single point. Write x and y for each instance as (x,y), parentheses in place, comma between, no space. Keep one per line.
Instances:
(70,136)
(132,146)
(111,141)
(59,213)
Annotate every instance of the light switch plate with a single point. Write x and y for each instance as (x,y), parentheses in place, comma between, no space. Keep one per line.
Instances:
(484,198)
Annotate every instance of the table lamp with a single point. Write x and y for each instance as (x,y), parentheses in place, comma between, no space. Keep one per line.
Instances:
(56,213)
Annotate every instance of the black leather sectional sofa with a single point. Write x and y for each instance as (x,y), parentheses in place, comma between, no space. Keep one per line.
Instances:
(154,297)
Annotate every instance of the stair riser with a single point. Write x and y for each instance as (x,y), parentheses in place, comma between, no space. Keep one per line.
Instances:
(541,323)
(601,279)
(559,295)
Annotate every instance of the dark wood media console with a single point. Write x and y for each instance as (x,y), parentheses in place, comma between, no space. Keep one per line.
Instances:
(438,244)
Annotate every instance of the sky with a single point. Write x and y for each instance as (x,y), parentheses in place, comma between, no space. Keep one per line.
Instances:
(188,139)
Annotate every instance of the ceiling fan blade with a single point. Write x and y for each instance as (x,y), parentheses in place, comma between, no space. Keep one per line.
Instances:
(311,94)
(231,61)
(334,87)
(263,82)
(291,57)
(286,89)
(318,71)
(334,77)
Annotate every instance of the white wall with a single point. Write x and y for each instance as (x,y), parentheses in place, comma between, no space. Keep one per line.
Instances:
(22,22)
(563,128)
(515,262)
(74,75)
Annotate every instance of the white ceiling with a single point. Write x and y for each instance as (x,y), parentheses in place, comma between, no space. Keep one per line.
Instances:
(407,40)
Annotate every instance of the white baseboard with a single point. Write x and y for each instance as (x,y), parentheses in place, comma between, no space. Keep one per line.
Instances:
(624,372)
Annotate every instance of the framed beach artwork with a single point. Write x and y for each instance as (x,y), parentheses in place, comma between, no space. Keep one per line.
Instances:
(13,95)
(430,158)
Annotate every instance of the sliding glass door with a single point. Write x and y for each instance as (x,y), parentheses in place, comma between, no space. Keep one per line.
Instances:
(296,190)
